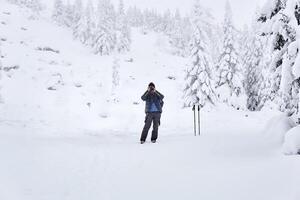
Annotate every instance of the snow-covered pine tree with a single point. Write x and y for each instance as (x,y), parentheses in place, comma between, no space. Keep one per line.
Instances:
(134,16)
(77,15)
(176,37)
(198,87)
(187,35)
(252,63)
(280,21)
(229,80)
(243,37)
(58,12)
(266,92)
(216,44)
(92,25)
(105,33)
(167,23)
(215,34)
(68,15)
(180,34)
(149,21)
(83,29)
(122,30)
(158,20)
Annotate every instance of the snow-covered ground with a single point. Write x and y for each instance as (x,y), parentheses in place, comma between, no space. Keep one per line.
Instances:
(75,142)
(231,160)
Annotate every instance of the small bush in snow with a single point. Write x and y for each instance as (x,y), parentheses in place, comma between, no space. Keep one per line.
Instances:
(55,82)
(7,69)
(47,49)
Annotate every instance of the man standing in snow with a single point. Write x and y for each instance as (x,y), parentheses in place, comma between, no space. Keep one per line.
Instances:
(154,104)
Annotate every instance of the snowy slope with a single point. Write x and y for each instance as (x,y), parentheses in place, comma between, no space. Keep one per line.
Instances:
(38,70)
(85,79)
(53,146)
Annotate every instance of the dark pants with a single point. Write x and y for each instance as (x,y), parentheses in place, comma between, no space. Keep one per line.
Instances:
(155,117)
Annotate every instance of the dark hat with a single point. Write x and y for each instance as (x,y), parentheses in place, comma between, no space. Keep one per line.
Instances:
(151,84)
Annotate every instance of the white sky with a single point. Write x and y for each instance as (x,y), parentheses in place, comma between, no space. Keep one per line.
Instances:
(243,10)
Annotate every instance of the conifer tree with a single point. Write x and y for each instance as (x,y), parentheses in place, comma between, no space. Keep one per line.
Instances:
(58,12)
(122,30)
(229,80)
(105,33)
(280,21)
(198,87)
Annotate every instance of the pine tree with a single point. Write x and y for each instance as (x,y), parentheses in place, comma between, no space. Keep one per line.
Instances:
(280,21)
(92,26)
(134,16)
(253,68)
(83,29)
(177,38)
(266,93)
(105,36)
(229,81)
(58,12)
(77,16)
(122,30)
(198,89)
(167,23)
(149,21)
(68,15)
(187,35)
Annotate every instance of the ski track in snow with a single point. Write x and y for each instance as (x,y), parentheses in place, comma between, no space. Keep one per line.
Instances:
(87,157)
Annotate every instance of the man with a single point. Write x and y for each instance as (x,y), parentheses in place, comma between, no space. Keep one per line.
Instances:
(154,103)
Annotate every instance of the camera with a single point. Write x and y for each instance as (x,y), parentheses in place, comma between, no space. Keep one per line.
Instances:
(152,88)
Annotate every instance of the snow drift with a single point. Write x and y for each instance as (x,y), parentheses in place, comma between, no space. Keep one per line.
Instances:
(292,141)
(277,127)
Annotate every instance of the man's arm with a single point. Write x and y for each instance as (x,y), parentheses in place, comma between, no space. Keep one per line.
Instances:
(160,96)
(145,96)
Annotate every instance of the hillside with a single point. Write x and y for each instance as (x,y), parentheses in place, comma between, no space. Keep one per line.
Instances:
(65,81)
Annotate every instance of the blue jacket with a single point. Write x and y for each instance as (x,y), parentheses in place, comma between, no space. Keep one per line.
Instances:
(156,98)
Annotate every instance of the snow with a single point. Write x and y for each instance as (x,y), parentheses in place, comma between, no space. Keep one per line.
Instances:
(292,141)
(277,127)
(54,146)
(112,165)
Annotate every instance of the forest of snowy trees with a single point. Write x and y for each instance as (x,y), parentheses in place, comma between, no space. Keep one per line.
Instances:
(249,68)
(257,66)
(107,29)
(34,5)
(246,69)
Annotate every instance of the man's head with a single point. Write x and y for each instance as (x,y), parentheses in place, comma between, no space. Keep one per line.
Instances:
(151,87)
